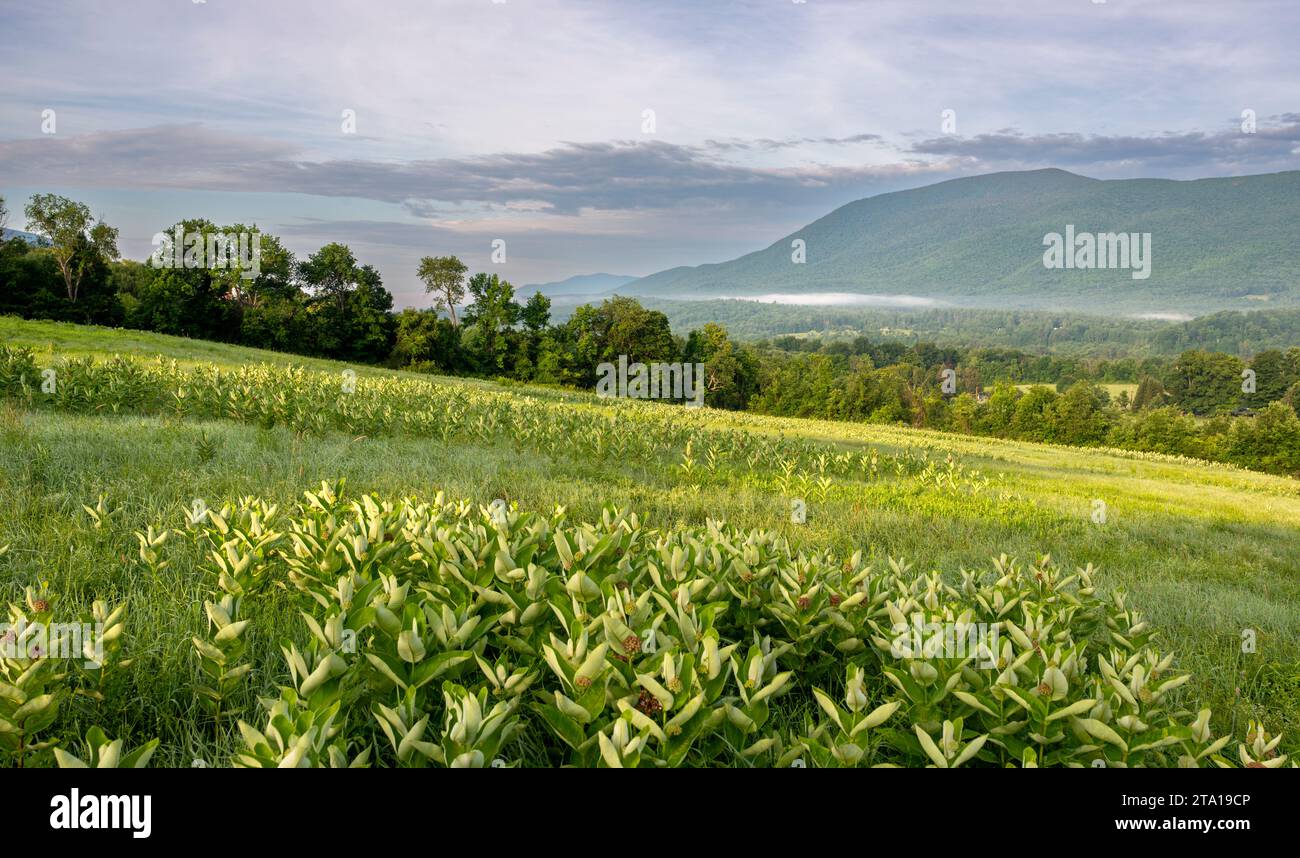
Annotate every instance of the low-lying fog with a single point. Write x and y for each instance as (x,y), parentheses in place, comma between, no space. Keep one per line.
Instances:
(838,299)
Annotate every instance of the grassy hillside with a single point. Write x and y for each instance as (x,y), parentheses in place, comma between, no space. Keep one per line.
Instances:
(56,340)
(1204,551)
(1218,244)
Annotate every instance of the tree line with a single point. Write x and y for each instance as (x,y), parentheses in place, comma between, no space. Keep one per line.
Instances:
(331,305)
(1200,382)
(1080,414)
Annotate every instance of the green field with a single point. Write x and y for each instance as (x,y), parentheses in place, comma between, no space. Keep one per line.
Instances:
(1113,389)
(1206,552)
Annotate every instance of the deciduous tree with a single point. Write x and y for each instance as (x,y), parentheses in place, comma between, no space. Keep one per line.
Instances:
(77,241)
(444,278)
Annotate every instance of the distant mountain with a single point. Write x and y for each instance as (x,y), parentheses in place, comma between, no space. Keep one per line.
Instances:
(1216,244)
(581,284)
(30,238)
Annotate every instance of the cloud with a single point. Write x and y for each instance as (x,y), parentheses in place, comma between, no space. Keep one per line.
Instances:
(621,175)
(190,156)
(563,180)
(533,255)
(481,118)
(574,178)
(1270,147)
(769,145)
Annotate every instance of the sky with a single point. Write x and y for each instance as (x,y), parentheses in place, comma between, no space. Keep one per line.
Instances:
(622,136)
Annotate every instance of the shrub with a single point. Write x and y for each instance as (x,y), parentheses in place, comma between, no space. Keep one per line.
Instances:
(441,633)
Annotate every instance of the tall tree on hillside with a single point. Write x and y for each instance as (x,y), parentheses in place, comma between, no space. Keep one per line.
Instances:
(535,317)
(619,326)
(425,339)
(368,328)
(492,312)
(1079,416)
(1150,393)
(331,273)
(181,292)
(76,241)
(444,278)
(1205,382)
(1272,378)
(730,373)
(276,268)
(4,213)
(536,314)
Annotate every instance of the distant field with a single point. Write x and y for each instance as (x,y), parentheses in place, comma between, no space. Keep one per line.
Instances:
(1114,389)
(1205,551)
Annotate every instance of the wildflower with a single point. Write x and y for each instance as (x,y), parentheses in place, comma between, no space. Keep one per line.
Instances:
(648,704)
(631,644)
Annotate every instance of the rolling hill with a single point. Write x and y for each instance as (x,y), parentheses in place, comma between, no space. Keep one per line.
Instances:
(117,457)
(1217,244)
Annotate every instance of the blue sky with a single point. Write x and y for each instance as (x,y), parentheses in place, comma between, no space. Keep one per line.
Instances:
(525,120)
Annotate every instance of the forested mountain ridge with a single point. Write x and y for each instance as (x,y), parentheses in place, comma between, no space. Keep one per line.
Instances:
(1216,244)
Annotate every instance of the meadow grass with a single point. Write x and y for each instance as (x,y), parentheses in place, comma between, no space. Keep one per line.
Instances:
(1206,551)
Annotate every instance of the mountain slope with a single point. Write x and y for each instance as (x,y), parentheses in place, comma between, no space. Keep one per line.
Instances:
(29,237)
(1226,243)
(580,284)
